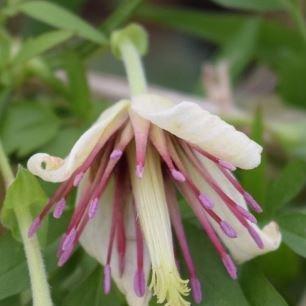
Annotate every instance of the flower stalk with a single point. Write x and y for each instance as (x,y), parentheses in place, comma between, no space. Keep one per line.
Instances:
(39,284)
(129,45)
(133,67)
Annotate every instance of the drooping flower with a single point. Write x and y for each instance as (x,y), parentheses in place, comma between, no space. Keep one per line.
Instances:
(128,168)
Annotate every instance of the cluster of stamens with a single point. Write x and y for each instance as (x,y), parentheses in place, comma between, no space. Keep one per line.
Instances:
(108,159)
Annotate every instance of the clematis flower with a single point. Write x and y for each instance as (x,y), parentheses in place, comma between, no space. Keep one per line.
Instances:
(129,168)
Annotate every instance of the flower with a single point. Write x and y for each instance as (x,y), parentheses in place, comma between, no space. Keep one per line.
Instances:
(127,168)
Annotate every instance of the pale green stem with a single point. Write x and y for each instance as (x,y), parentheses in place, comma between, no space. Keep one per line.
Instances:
(133,66)
(40,288)
(5,168)
(39,284)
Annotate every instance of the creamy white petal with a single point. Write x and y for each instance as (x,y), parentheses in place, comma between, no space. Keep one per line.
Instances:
(243,247)
(192,123)
(95,242)
(55,169)
(154,218)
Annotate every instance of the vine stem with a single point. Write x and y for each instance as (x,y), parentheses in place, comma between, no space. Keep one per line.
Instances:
(133,67)
(39,284)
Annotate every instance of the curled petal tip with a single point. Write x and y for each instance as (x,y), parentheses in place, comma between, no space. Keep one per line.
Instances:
(139,284)
(34,227)
(196,290)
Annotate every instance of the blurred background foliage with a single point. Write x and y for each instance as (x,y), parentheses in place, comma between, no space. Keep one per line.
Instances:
(263,44)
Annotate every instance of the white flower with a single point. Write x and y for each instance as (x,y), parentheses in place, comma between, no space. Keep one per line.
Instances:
(127,166)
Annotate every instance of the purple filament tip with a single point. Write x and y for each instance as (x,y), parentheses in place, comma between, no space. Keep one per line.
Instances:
(59,208)
(206,201)
(69,239)
(230,266)
(78,179)
(34,227)
(64,256)
(252,203)
(228,229)
(139,171)
(256,237)
(93,207)
(178,176)
(139,283)
(107,279)
(246,214)
(196,290)
(116,154)
(227,165)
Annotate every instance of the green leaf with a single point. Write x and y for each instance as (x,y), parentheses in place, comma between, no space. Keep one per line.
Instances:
(27,126)
(258,290)
(239,51)
(212,273)
(121,14)
(257,5)
(14,277)
(274,39)
(217,28)
(79,89)
(291,74)
(90,292)
(290,182)
(24,192)
(292,226)
(13,270)
(36,46)
(61,18)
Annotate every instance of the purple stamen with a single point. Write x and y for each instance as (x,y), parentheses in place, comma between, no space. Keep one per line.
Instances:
(206,201)
(34,227)
(77,179)
(107,279)
(251,202)
(93,208)
(230,266)
(116,154)
(139,283)
(228,229)
(246,214)
(196,290)
(69,239)
(227,165)
(59,208)
(139,170)
(177,175)
(64,256)
(256,237)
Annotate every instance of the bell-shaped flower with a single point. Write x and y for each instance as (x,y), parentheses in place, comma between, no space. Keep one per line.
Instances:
(128,168)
